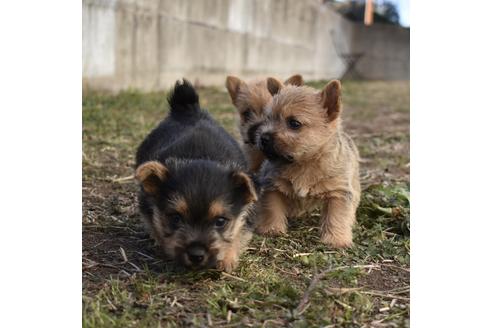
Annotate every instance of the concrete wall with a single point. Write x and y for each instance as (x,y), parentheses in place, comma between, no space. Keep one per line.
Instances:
(386,51)
(148,44)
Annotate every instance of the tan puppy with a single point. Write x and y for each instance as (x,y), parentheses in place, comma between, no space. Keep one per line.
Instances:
(250,99)
(312,162)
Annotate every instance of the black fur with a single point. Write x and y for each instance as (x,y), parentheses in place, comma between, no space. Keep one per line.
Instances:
(201,159)
(190,133)
(252,133)
(184,101)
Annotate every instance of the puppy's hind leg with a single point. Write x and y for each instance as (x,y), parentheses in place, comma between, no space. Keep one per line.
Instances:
(338,218)
(272,218)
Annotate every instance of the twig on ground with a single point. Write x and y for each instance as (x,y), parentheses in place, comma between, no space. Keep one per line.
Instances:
(123,254)
(302,306)
(340,291)
(380,294)
(399,290)
(124,272)
(105,227)
(99,244)
(111,304)
(145,255)
(285,271)
(396,267)
(276,322)
(233,277)
(345,306)
(94,264)
(317,278)
(366,266)
(262,245)
(390,317)
(301,254)
(135,266)
(123,179)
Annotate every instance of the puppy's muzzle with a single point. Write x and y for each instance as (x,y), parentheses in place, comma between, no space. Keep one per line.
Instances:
(196,255)
(268,148)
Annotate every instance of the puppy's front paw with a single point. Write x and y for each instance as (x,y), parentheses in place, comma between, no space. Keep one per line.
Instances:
(227,264)
(273,229)
(336,241)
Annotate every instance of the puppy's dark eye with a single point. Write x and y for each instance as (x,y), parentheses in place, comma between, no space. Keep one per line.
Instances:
(220,222)
(293,123)
(175,221)
(247,114)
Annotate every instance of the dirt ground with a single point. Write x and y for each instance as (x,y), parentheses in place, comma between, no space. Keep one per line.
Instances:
(286,281)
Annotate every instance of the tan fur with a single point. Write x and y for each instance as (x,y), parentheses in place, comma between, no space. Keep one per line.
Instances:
(325,167)
(158,232)
(274,210)
(243,180)
(180,206)
(230,257)
(217,208)
(255,156)
(149,174)
(295,80)
(235,240)
(252,97)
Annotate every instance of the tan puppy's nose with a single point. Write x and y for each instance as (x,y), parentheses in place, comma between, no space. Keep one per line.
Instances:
(266,139)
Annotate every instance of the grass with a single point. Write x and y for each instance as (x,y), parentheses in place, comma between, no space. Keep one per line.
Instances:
(287,281)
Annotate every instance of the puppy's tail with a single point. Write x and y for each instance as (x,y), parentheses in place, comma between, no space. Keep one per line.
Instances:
(183,101)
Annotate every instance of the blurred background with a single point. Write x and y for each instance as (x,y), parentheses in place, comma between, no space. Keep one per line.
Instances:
(148,44)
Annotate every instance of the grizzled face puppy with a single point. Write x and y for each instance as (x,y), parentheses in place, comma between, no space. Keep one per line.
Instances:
(250,100)
(195,197)
(301,121)
(312,162)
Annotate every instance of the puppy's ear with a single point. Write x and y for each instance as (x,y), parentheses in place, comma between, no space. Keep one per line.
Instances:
(331,99)
(245,186)
(233,84)
(295,80)
(274,85)
(150,175)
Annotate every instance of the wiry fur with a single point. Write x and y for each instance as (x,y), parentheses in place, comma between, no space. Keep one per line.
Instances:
(192,174)
(250,99)
(314,165)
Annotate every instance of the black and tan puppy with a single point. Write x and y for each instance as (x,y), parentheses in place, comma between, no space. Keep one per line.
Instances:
(195,195)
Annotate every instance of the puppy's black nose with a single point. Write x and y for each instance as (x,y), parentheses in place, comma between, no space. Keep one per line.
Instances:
(196,254)
(266,139)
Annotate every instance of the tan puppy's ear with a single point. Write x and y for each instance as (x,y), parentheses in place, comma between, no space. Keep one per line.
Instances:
(245,186)
(331,99)
(150,175)
(274,85)
(295,80)
(233,84)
